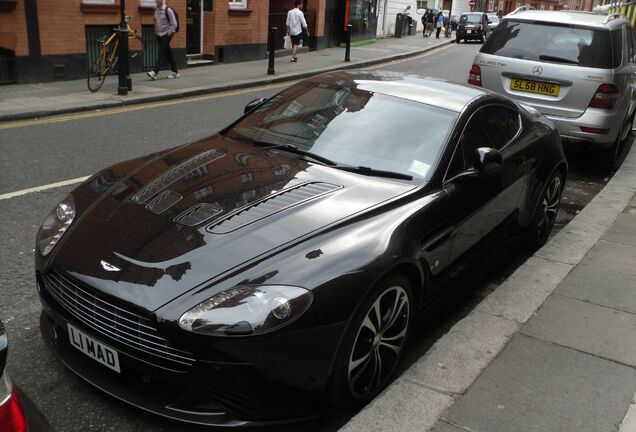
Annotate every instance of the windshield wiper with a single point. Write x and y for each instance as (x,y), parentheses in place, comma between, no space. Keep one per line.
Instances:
(293,149)
(375,172)
(557,59)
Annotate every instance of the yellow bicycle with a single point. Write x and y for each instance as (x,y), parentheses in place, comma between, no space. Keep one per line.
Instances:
(108,56)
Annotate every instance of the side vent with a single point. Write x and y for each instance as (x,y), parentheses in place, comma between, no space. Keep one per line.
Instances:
(163,201)
(270,205)
(175,173)
(199,214)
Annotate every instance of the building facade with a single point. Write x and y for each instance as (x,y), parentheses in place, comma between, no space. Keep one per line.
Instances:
(45,40)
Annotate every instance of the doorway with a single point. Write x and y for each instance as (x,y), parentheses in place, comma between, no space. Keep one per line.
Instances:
(193,27)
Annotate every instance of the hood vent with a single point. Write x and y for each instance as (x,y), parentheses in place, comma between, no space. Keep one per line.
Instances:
(270,205)
(198,214)
(176,173)
(163,201)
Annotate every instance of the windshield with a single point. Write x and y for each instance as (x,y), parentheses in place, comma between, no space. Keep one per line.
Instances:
(493,18)
(350,126)
(554,43)
(472,19)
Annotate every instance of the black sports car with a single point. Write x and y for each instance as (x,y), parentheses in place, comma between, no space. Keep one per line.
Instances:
(253,275)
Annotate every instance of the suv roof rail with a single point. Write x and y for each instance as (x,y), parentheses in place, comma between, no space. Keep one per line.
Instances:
(612,17)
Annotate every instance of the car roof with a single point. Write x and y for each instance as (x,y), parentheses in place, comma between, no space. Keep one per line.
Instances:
(587,19)
(430,91)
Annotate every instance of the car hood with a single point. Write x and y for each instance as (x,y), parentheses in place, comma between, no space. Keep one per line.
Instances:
(202,210)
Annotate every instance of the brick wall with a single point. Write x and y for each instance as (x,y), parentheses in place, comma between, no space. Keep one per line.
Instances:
(13,31)
(230,29)
(62,24)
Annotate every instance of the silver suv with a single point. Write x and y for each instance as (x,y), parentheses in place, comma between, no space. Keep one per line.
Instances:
(576,68)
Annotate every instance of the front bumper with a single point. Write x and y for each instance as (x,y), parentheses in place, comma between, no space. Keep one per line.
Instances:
(219,393)
(474,34)
(574,137)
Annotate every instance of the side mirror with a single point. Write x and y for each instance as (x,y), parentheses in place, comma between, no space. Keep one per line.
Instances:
(488,161)
(253,104)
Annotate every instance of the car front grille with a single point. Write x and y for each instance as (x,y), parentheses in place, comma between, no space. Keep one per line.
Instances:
(134,334)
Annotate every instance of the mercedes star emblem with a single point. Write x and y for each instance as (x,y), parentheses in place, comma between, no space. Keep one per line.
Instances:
(537,70)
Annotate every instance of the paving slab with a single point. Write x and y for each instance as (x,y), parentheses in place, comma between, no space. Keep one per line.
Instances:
(593,284)
(443,426)
(522,293)
(623,230)
(613,199)
(587,327)
(571,244)
(613,257)
(394,411)
(456,360)
(536,386)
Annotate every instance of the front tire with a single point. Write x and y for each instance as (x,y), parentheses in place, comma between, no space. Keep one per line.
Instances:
(546,212)
(373,344)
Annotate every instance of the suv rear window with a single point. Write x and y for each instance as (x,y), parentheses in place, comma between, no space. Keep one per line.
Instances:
(555,43)
(470,18)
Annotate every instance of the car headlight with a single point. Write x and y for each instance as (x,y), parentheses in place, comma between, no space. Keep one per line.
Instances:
(55,225)
(247,310)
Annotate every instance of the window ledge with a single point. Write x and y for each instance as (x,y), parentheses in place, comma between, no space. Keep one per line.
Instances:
(239,12)
(99,8)
(147,10)
(8,5)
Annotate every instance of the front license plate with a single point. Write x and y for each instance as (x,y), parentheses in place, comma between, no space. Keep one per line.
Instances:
(469,31)
(535,87)
(93,348)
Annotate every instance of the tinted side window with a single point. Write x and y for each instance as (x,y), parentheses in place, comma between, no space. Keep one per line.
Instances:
(629,38)
(553,43)
(617,47)
(491,126)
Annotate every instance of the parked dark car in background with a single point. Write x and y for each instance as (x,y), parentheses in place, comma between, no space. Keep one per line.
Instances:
(253,275)
(472,26)
(17,412)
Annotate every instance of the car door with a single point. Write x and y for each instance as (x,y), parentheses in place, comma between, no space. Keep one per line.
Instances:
(628,70)
(483,204)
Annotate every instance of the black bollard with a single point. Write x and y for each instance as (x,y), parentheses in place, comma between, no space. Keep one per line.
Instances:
(123,86)
(348,44)
(271,46)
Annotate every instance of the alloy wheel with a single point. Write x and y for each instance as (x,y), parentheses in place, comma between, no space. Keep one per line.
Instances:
(379,342)
(550,207)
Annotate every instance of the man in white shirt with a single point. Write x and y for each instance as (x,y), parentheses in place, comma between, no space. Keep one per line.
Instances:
(295,24)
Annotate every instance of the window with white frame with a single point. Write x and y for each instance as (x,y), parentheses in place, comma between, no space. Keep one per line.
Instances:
(238,4)
(422,4)
(108,2)
(147,3)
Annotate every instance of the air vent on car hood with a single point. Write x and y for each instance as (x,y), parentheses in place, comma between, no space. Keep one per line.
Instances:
(198,214)
(163,201)
(175,173)
(270,205)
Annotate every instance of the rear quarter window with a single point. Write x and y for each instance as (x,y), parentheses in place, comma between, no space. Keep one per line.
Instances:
(555,43)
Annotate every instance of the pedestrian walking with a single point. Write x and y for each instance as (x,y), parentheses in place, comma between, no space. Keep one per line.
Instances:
(430,23)
(424,21)
(295,25)
(166,25)
(439,22)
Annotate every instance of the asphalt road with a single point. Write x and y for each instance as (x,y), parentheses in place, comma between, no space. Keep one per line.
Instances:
(53,150)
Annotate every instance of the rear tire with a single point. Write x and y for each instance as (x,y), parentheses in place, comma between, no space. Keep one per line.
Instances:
(373,344)
(546,212)
(611,157)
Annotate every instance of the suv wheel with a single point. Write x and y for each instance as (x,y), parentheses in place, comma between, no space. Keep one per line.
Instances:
(611,157)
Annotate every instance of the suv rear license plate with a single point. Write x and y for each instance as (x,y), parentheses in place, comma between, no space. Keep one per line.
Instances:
(93,348)
(535,87)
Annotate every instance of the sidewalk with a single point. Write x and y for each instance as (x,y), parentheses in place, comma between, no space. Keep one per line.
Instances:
(551,350)
(20,101)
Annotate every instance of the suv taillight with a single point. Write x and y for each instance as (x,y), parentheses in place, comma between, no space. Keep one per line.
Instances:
(12,417)
(474,76)
(605,97)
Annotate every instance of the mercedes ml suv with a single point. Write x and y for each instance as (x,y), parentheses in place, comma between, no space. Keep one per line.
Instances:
(576,68)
